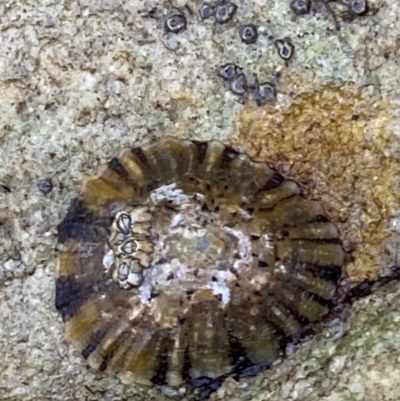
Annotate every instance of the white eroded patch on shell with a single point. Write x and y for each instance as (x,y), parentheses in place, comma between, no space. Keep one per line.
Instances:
(170,193)
(191,249)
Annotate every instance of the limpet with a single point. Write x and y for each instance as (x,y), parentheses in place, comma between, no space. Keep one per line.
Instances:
(186,261)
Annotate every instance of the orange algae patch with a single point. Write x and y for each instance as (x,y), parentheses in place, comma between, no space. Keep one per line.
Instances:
(337,143)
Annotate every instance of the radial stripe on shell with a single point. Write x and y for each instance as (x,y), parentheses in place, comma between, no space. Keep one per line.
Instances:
(187,261)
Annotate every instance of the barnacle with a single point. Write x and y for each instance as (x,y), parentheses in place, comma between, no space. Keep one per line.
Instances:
(175,23)
(45,186)
(238,84)
(206,11)
(225,11)
(356,7)
(359,7)
(264,93)
(248,33)
(186,261)
(285,48)
(235,78)
(300,7)
(228,71)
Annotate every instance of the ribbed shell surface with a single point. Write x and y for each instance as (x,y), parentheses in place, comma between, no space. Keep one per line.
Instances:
(250,261)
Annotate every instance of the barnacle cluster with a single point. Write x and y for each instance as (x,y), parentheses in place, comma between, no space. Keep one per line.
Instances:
(355,8)
(240,85)
(233,75)
(187,261)
(223,12)
(131,247)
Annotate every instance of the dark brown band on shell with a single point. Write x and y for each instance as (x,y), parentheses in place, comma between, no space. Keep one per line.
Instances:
(83,223)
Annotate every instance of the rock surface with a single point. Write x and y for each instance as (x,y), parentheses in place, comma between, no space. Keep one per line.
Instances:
(80,80)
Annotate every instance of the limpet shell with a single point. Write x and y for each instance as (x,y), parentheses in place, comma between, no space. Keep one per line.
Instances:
(187,261)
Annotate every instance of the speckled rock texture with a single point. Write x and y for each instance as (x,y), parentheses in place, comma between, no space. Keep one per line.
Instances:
(80,80)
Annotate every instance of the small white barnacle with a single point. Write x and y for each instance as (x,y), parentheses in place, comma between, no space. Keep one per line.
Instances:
(285,48)
(300,7)
(248,33)
(211,253)
(238,84)
(264,93)
(45,186)
(228,71)
(123,271)
(359,7)
(176,23)
(206,11)
(127,278)
(128,247)
(124,223)
(224,12)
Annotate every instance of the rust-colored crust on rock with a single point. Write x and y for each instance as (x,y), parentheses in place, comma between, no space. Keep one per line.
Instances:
(338,141)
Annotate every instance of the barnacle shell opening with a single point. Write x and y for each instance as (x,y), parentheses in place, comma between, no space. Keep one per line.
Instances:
(187,260)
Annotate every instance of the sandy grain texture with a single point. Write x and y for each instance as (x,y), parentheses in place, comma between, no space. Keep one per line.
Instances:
(79,80)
